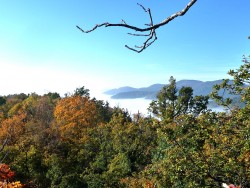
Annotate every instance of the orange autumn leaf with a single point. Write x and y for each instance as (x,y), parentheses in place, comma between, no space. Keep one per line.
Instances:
(12,127)
(73,114)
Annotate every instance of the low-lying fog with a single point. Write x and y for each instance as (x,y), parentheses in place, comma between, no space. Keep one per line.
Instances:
(134,105)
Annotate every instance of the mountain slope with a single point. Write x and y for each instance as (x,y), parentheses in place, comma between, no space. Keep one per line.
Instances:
(120,90)
(199,87)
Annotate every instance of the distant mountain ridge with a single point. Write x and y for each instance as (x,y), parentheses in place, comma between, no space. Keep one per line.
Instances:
(119,90)
(199,88)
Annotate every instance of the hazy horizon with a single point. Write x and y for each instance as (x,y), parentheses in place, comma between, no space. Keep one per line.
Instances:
(41,49)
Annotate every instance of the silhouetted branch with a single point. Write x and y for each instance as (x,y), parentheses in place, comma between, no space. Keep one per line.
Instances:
(151,36)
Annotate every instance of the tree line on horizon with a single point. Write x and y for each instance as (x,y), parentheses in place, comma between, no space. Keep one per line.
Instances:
(79,141)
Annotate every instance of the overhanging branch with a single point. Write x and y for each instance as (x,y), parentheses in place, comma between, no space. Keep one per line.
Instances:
(150,29)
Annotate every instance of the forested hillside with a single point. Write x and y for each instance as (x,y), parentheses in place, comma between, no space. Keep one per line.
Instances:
(79,141)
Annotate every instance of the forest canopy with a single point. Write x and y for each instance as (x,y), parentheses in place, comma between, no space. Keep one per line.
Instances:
(79,141)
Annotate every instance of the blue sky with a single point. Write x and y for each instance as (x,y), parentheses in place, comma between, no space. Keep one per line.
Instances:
(41,50)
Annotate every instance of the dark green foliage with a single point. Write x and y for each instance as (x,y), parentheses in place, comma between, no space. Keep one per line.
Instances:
(172,103)
(239,86)
(81,92)
(53,95)
(2,101)
(185,146)
(104,110)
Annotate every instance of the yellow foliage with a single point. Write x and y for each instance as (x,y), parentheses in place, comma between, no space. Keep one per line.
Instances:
(73,114)
(12,127)
(16,184)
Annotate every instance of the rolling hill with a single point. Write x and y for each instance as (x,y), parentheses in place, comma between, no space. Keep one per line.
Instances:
(150,92)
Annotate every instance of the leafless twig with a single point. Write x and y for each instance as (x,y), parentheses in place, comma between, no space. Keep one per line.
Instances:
(4,144)
(151,28)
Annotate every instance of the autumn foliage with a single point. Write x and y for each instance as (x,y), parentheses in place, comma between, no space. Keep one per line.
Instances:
(6,173)
(73,114)
(78,141)
(6,178)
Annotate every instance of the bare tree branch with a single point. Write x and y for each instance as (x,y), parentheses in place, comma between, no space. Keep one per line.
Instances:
(4,144)
(151,28)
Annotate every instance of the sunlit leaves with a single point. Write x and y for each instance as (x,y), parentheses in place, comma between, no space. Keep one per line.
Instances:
(81,142)
(73,114)
(12,128)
